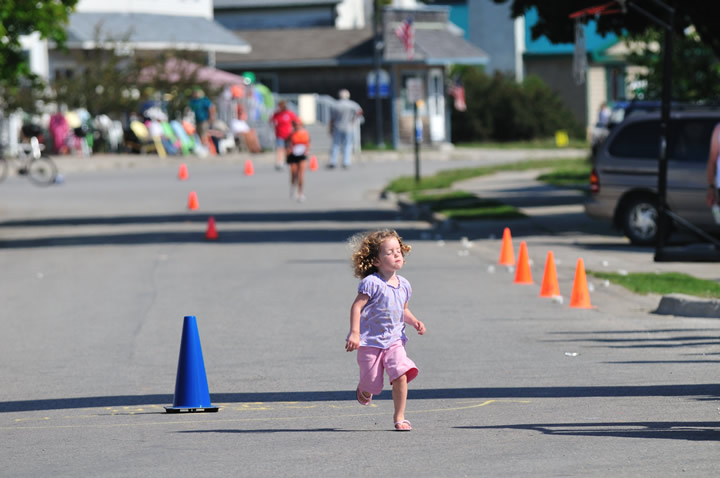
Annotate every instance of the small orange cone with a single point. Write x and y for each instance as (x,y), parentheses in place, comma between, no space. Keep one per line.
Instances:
(193,201)
(313,163)
(249,168)
(507,255)
(211,233)
(183,172)
(522,274)
(550,286)
(580,298)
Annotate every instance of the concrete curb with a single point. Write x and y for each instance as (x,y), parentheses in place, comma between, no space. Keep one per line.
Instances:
(680,305)
(422,212)
(688,306)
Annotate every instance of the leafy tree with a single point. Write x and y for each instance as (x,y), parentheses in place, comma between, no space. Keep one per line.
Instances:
(20,17)
(555,24)
(696,70)
(500,109)
(107,81)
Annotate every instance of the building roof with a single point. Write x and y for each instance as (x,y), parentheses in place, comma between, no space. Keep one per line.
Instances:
(437,40)
(297,47)
(328,46)
(239,4)
(152,32)
(435,46)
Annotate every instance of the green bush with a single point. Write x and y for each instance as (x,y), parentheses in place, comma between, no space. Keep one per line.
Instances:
(500,109)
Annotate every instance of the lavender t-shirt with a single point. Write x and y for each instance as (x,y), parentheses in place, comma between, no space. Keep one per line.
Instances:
(381,320)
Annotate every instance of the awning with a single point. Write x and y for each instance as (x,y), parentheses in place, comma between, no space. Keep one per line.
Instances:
(151,32)
(174,70)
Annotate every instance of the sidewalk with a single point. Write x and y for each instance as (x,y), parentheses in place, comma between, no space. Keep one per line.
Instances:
(492,156)
(557,221)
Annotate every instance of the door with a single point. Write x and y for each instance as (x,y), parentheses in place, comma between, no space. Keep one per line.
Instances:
(436,105)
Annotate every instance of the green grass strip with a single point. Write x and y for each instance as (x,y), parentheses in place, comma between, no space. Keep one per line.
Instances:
(465,206)
(545,143)
(444,179)
(662,283)
(575,175)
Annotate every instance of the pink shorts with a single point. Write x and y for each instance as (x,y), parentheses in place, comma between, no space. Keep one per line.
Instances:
(373,361)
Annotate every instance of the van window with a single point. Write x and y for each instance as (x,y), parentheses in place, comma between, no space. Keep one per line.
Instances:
(639,140)
(691,140)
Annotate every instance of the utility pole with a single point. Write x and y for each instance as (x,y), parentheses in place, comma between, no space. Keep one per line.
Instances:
(667,26)
(377,52)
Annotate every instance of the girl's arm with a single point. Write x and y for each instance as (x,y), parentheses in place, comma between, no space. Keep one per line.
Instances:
(410,318)
(353,340)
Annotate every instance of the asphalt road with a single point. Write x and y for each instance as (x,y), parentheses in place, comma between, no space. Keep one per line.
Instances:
(97,274)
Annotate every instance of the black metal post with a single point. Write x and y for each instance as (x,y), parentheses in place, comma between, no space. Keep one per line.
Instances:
(663,219)
(664,134)
(417,143)
(377,51)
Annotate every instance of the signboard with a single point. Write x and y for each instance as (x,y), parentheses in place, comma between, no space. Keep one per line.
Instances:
(384,84)
(414,90)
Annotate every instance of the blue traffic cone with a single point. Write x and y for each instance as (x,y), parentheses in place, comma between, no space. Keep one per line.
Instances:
(191,387)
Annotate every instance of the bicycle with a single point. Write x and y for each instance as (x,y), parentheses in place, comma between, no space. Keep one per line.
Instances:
(32,162)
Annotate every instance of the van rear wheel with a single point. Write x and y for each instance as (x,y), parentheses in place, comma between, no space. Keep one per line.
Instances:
(640,220)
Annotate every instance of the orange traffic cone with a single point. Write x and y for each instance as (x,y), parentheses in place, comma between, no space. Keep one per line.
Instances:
(183,172)
(580,297)
(211,233)
(522,274)
(313,163)
(249,168)
(550,286)
(193,201)
(507,255)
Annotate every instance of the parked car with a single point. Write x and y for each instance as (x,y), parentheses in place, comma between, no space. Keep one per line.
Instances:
(626,109)
(624,177)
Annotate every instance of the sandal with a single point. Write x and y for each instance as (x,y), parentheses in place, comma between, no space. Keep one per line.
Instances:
(403,426)
(361,398)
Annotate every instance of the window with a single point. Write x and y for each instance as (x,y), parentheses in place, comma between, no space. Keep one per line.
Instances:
(615,83)
(639,140)
(691,140)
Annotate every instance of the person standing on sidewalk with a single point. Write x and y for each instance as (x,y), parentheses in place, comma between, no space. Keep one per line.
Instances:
(284,121)
(204,111)
(343,117)
(377,319)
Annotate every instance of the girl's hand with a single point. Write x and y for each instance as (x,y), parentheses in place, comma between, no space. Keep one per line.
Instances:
(711,199)
(353,342)
(420,327)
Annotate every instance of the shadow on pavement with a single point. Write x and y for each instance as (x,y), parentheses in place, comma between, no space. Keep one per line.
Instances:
(189,237)
(271,430)
(701,391)
(692,431)
(350,215)
(224,222)
(680,338)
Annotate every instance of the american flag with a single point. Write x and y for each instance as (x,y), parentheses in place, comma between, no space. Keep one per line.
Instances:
(406,33)
(457,91)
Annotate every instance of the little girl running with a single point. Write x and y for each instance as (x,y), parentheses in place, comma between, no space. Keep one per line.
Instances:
(378,317)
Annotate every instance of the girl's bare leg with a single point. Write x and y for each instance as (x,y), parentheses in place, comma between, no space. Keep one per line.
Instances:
(399,393)
(293,177)
(300,177)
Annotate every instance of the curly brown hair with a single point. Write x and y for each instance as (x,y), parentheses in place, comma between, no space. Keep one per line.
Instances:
(366,246)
